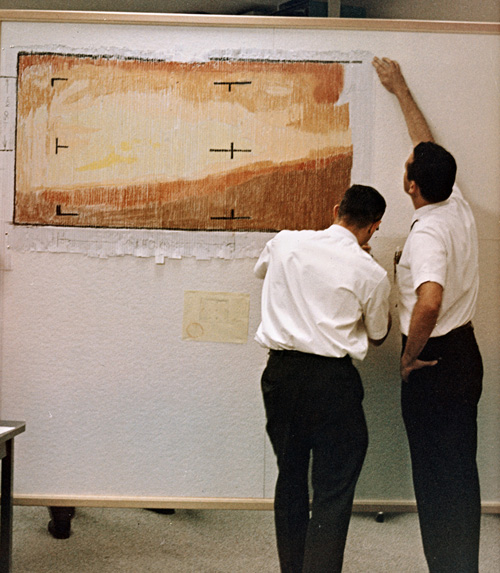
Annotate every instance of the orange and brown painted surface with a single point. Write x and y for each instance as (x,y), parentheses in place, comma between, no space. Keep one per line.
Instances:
(222,145)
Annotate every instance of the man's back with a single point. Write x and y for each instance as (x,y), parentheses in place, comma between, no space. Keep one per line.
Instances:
(323,294)
(442,247)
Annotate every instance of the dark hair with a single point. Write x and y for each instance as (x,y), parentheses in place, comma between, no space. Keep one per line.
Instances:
(433,169)
(361,206)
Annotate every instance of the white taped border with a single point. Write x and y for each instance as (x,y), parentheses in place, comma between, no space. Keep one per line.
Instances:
(142,243)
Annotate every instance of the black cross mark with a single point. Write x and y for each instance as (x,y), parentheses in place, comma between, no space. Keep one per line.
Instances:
(229,84)
(60,146)
(59,213)
(57,80)
(232,150)
(230,218)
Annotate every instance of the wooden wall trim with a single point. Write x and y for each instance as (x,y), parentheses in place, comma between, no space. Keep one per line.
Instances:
(136,18)
(361,506)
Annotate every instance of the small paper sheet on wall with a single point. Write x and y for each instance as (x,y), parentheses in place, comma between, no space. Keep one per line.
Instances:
(216,316)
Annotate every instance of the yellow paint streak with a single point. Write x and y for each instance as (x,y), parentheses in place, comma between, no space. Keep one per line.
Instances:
(111,159)
(125,146)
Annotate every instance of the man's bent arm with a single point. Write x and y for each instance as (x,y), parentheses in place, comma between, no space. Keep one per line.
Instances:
(393,80)
(422,323)
(380,341)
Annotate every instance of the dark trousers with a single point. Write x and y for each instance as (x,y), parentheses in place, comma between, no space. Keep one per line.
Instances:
(439,406)
(314,405)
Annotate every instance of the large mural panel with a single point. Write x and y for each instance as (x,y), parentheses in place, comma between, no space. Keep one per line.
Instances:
(225,144)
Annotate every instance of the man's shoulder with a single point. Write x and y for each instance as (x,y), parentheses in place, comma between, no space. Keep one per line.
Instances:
(445,217)
(376,269)
(367,269)
(291,236)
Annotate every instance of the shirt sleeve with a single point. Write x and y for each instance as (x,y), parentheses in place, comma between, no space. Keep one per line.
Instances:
(260,268)
(376,310)
(428,259)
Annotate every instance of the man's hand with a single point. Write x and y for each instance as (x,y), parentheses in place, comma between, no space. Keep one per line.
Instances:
(390,75)
(392,79)
(408,367)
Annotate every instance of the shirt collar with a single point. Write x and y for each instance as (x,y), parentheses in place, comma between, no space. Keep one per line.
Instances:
(422,212)
(340,230)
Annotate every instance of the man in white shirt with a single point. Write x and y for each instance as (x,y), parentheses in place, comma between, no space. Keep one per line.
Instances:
(441,366)
(324,297)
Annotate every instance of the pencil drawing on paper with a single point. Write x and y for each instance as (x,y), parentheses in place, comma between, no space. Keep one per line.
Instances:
(219,145)
(216,316)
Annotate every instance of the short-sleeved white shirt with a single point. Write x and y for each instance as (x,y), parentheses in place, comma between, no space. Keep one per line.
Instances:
(441,247)
(322,294)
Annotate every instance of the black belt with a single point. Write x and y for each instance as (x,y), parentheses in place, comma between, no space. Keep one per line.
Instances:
(299,353)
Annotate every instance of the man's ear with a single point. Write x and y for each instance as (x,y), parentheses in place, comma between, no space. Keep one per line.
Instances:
(336,212)
(413,189)
(374,227)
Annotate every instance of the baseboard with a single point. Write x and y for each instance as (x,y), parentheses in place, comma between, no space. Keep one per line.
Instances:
(360,506)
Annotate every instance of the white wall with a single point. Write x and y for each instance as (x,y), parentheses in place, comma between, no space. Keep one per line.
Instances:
(92,357)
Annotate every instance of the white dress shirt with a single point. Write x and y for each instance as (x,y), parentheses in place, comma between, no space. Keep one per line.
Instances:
(441,247)
(322,294)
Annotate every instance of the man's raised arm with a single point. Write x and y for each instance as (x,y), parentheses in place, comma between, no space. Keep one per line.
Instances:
(393,80)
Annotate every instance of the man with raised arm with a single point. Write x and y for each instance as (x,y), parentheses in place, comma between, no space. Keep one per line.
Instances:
(441,366)
(323,299)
